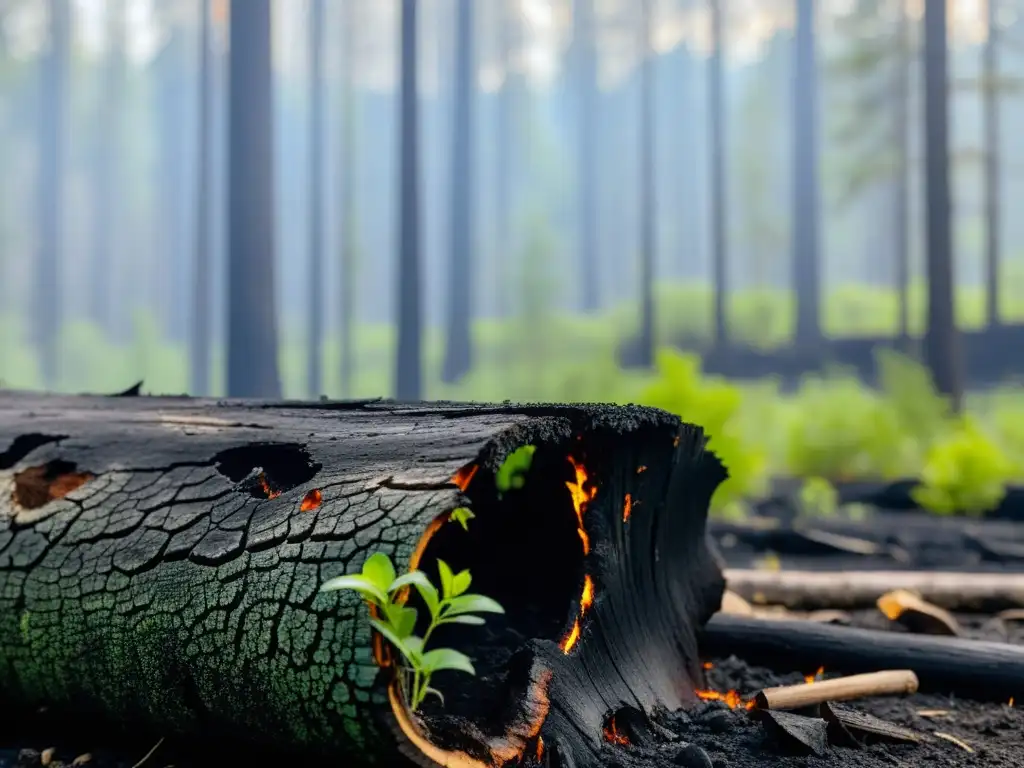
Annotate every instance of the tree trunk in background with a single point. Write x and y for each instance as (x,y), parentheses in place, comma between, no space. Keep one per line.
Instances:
(647,190)
(901,188)
(458,353)
(106,171)
(941,345)
(48,316)
(201,273)
(587,259)
(505,138)
(806,241)
(990,95)
(349,219)
(252,315)
(409,362)
(315,321)
(719,254)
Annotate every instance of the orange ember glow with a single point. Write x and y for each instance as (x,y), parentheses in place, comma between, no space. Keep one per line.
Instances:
(642,468)
(811,679)
(612,735)
(540,748)
(465,476)
(732,699)
(311,501)
(570,640)
(587,599)
(627,509)
(582,494)
(1010,702)
(269,492)
(708,665)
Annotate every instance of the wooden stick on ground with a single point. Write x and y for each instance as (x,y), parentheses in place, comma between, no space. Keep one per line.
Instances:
(812,590)
(886,683)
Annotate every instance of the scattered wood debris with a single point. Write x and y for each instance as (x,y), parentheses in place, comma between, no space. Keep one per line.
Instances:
(736,605)
(797,733)
(933,713)
(864,726)
(954,740)
(885,683)
(917,615)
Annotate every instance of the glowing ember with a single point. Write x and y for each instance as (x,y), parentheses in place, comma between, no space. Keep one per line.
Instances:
(612,735)
(465,476)
(587,599)
(732,699)
(311,501)
(1010,702)
(708,665)
(627,509)
(570,640)
(641,468)
(582,494)
(811,679)
(269,492)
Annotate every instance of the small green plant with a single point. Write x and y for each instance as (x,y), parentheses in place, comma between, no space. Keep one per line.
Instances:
(512,472)
(462,516)
(818,498)
(378,584)
(965,472)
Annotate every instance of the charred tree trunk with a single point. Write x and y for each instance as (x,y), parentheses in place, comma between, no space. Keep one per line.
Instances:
(647,188)
(315,321)
(349,216)
(587,259)
(202,274)
(48,316)
(106,171)
(990,91)
(806,240)
(409,362)
(941,342)
(138,535)
(458,353)
(716,89)
(252,315)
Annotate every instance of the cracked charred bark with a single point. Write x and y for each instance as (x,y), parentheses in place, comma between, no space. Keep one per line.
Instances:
(160,560)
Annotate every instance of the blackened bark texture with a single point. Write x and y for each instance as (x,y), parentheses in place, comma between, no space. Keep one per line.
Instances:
(971,669)
(806,239)
(941,343)
(587,257)
(252,315)
(160,560)
(315,299)
(202,275)
(719,254)
(993,220)
(48,316)
(409,362)
(647,188)
(458,351)
(106,174)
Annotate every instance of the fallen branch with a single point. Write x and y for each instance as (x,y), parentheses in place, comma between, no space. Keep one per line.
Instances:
(812,590)
(886,683)
(974,669)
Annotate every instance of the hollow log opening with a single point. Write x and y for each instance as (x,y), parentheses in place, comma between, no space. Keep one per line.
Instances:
(599,561)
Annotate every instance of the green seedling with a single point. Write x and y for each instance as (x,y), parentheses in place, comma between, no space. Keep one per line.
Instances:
(462,516)
(512,472)
(379,586)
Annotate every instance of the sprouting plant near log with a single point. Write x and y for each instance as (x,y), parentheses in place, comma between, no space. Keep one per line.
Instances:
(396,622)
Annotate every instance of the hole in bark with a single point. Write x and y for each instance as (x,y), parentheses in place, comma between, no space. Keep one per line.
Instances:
(23,445)
(36,486)
(266,470)
(523,550)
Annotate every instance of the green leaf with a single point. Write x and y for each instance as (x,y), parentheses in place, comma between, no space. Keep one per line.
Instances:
(389,634)
(475,621)
(379,570)
(413,577)
(446,578)
(462,516)
(402,619)
(461,582)
(368,589)
(447,658)
(472,604)
(414,649)
(512,472)
(427,590)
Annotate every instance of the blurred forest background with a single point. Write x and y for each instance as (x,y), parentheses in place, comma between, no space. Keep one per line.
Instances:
(491,199)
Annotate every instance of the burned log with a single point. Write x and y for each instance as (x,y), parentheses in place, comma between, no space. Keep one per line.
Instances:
(972,669)
(812,590)
(161,558)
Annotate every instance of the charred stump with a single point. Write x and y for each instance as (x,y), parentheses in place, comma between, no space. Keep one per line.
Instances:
(160,561)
